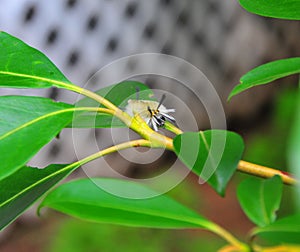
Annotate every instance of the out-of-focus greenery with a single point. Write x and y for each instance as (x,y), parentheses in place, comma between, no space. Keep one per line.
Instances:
(73,235)
(79,236)
(287,9)
(294,147)
(266,73)
(269,144)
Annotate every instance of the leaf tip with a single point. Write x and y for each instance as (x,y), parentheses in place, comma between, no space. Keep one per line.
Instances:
(38,210)
(221,192)
(236,90)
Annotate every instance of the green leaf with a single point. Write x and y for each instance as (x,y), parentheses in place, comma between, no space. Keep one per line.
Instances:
(260,199)
(118,94)
(286,9)
(22,188)
(26,125)
(86,199)
(285,230)
(212,154)
(266,73)
(22,66)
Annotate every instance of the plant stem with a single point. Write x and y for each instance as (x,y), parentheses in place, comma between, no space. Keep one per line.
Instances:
(169,126)
(117,112)
(282,248)
(114,148)
(143,129)
(250,168)
(94,109)
(230,238)
(136,123)
(265,172)
(75,165)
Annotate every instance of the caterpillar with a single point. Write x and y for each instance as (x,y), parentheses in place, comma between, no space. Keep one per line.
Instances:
(152,112)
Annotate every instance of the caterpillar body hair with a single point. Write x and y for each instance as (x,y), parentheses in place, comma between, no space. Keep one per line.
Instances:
(152,112)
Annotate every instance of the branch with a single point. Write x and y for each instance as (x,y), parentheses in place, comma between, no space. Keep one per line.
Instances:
(114,148)
(265,172)
(250,168)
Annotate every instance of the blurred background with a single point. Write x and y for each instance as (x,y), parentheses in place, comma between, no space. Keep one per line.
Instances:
(219,38)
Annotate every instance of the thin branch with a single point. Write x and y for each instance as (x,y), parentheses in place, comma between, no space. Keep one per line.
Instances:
(114,148)
(250,168)
(75,165)
(169,126)
(135,123)
(265,172)
(238,245)
(160,140)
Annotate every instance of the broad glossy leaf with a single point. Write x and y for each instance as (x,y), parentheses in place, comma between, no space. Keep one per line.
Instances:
(285,230)
(287,9)
(266,73)
(118,94)
(26,125)
(212,154)
(22,188)
(260,199)
(22,66)
(86,199)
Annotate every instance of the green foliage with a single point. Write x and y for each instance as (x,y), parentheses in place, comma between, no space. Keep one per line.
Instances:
(26,125)
(22,66)
(294,145)
(29,123)
(22,188)
(260,199)
(285,230)
(266,73)
(287,9)
(78,236)
(212,154)
(274,136)
(87,200)
(73,235)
